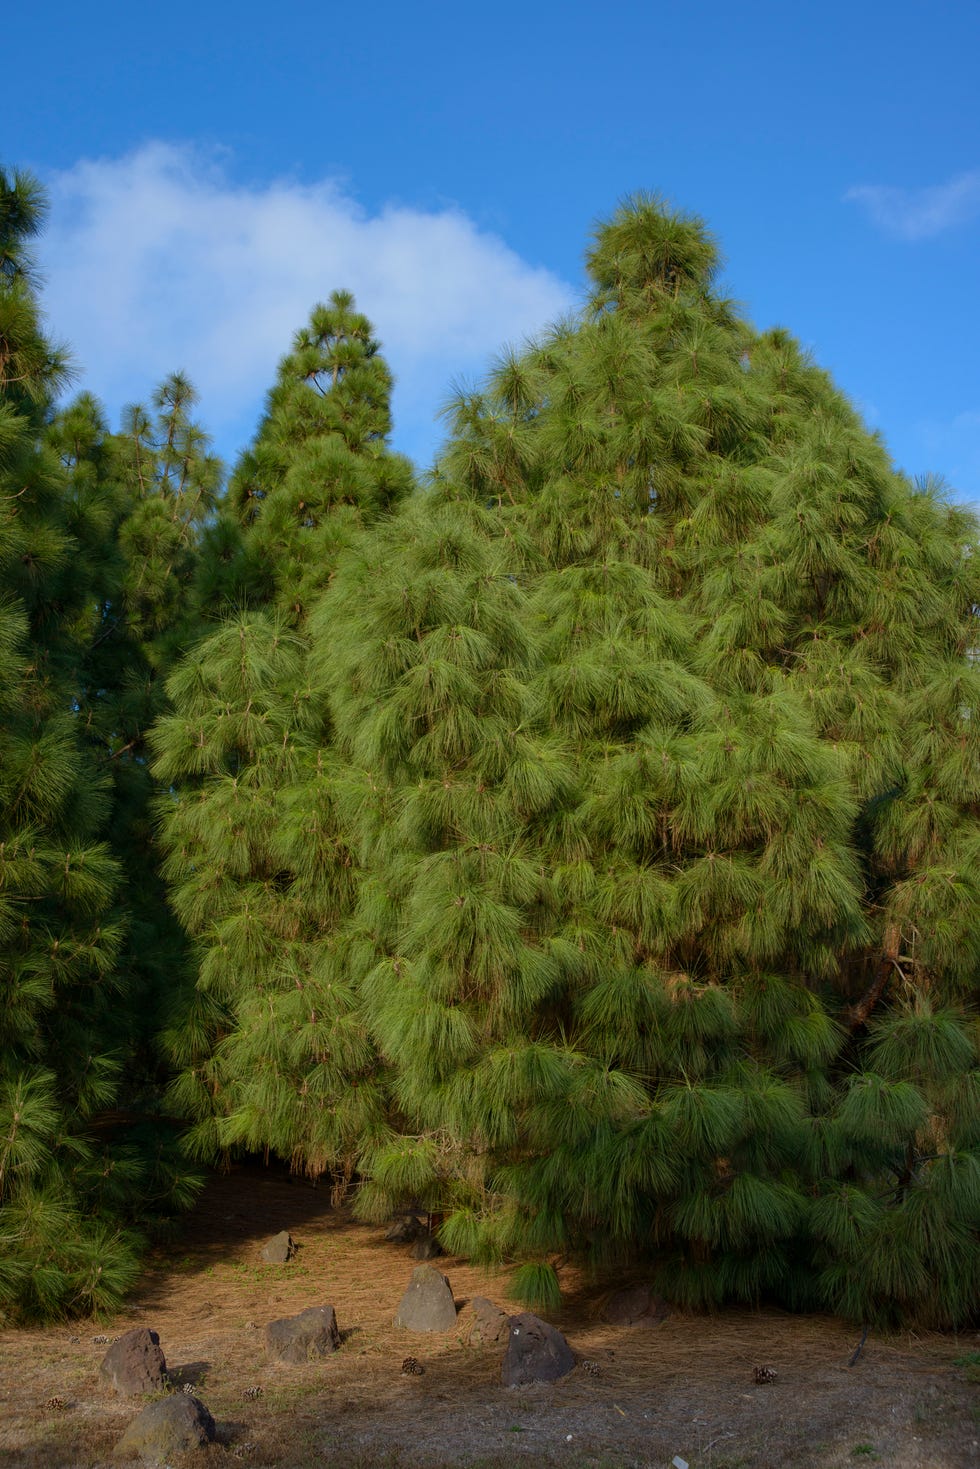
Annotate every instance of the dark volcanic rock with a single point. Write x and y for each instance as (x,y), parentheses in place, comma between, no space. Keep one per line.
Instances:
(279,1248)
(404,1231)
(490,1323)
(171,1426)
(635,1305)
(303,1338)
(135,1363)
(427,1304)
(536,1352)
(426,1247)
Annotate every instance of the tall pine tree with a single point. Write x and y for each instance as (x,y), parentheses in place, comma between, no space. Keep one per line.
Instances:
(669,718)
(60,1190)
(272,1052)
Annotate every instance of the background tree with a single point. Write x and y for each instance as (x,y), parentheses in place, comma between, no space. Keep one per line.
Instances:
(157,484)
(273,1053)
(59,1191)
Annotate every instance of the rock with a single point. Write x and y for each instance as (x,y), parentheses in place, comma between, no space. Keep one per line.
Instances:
(490,1323)
(427,1304)
(303,1338)
(279,1248)
(168,1427)
(135,1363)
(404,1231)
(427,1247)
(536,1352)
(635,1305)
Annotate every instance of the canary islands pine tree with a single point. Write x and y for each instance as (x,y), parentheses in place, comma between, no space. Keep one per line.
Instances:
(666,702)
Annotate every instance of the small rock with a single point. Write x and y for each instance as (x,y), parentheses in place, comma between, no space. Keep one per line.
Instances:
(279,1248)
(135,1363)
(170,1426)
(490,1323)
(536,1352)
(303,1338)
(427,1304)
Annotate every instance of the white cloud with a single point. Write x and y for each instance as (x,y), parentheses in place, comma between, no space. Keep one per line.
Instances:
(918,214)
(157,261)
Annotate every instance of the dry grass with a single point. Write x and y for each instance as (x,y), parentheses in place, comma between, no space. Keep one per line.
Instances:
(684,1387)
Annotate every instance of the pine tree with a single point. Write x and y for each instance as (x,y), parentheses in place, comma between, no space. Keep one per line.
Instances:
(272,1052)
(667,705)
(60,1245)
(155,486)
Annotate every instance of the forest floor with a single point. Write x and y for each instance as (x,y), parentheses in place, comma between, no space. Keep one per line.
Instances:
(683,1388)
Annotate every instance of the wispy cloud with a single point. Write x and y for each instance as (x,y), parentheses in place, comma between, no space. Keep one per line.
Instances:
(157,261)
(919,214)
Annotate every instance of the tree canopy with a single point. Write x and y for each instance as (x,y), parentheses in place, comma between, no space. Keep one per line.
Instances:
(582,844)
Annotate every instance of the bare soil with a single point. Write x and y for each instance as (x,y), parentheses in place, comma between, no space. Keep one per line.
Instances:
(684,1388)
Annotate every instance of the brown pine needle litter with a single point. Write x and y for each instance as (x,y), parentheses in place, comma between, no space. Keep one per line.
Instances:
(661,1390)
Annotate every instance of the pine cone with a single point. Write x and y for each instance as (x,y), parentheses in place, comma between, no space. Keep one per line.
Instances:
(412,1367)
(187,1387)
(57,1403)
(592,1368)
(100,1341)
(251,1393)
(763,1374)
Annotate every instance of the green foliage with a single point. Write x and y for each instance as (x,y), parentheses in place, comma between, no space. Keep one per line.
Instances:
(536,1286)
(667,833)
(76,1018)
(272,1048)
(585,849)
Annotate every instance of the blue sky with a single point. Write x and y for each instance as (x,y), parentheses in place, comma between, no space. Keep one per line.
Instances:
(214,169)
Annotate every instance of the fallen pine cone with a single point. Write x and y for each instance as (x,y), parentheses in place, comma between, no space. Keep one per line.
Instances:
(412,1367)
(57,1403)
(187,1387)
(764,1374)
(100,1341)
(251,1393)
(592,1368)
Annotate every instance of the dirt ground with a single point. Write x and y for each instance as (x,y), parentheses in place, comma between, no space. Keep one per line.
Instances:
(684,1388)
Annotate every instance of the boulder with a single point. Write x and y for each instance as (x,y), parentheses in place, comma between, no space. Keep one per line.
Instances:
(536,1352)
(135,1363)
(303,1338)
(171,1426)
(426,1247)
(279,1248)
(427,1304)
(490,1323)
(635,1305)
